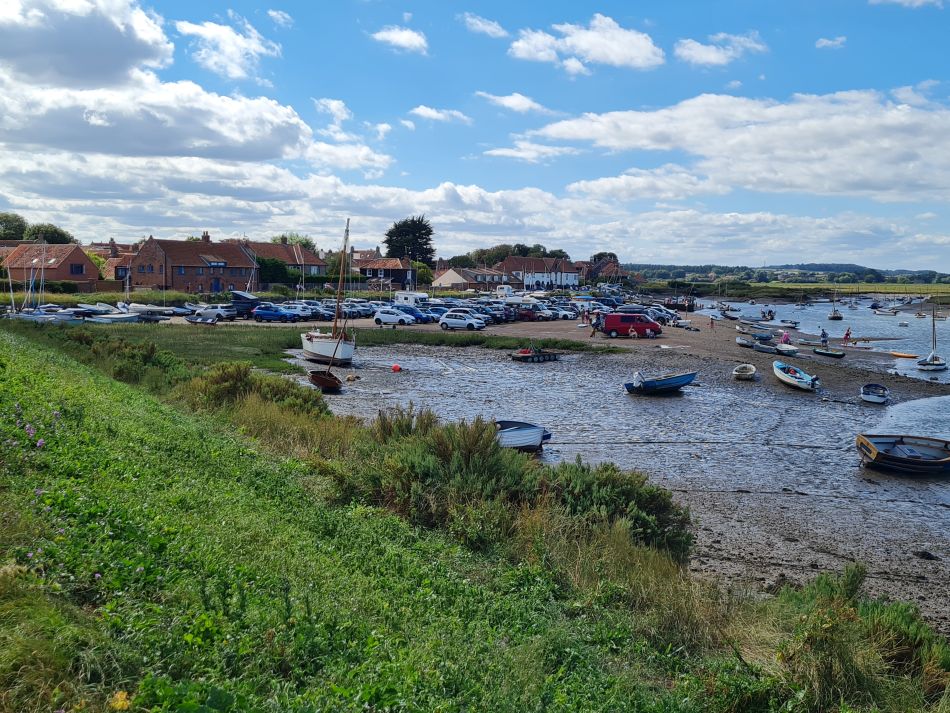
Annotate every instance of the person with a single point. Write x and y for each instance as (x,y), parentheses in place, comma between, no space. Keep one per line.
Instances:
(847,335)
(785,338)
(824,337)
(712,322)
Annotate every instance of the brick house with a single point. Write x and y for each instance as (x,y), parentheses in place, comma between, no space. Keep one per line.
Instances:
(473,278)
(294,256)
(540,272)
(388,272)
(56,262)
(193,266)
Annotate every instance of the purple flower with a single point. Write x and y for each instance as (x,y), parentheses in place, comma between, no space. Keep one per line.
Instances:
(40,443)
(97,576)
(29,555)
(30,431)
(55,414)
(39,491)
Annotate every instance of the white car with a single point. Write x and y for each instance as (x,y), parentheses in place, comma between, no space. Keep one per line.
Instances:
(302,311)
(388,315)
(222,312)
(460,320)
(468,312)
(562,313)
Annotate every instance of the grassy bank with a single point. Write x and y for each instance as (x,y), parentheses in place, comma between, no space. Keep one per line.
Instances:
(236,548)
(382,337)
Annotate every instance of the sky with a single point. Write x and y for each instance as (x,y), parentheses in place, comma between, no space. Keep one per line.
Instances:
(737,132)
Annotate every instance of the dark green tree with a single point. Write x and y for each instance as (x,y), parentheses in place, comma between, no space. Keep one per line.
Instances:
(462,261)
(296,239)
(273,270)
(558,253)
(12,226)
(49,233)
(424,274)
(601,255)
(411,237)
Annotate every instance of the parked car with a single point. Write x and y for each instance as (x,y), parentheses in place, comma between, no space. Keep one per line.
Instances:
(626,325)
(414,312)
(244,303)
(455,319)
(267,312)
(389,315)
(563,313)
(474,314)
(221,311)
(533,313)
(304,312)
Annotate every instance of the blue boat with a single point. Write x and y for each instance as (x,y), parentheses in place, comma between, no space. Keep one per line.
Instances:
(659,384)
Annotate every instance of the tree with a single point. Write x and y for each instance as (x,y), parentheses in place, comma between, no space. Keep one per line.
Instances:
(601,255)
(412,238)
(99,262)
(424,274)
(12,226)
(273,270)
(192,239)
(333,265)
(761,276)
(48,233)
(558,253)
(462,261)
(296,239)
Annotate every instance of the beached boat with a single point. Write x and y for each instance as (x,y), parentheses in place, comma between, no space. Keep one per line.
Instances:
(659,384)
(337,346)
(828,352)
(912,455)
(743,342)
(744,372)
(795,377)
(786,349)
(810,342)
(932,362)
(725,314)
(207,321)
(328,382)
(762,336)
(875,393)
(903,324)
(764,348)
(790,322)
(534,355)
(521,435)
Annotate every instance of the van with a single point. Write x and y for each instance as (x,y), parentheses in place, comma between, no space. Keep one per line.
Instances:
(626,325)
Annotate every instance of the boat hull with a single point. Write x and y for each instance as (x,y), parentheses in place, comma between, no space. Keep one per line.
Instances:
(794,377)
(324,348)
(744,372)
(328,383)
(521,435)
(661,384)
(909,455)
(875,393)
(833,353)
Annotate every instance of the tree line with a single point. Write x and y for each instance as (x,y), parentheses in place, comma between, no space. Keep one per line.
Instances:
(14,226)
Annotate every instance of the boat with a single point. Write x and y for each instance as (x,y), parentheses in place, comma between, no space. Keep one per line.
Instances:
(835,314)
(932,362)
(786,349)
(829,352)
(875,393)
(762,336)
(659,384)
(744,372)
(886,312)
(920,315)
(903,355)
(810,342)
(726,315)
(764,348)
(149,310)
(743,342)
(790,322)
(912,455)
(534,355)
(795,377)
(336,346)
(96,309)
(521,435)
(328,382)
(207,321)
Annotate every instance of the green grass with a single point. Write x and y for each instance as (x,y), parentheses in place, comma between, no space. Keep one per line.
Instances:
(381,337)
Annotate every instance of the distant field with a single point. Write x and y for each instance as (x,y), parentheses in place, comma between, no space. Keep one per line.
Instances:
(866,288)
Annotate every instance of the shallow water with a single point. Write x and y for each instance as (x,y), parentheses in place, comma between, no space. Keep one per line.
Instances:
(915,338)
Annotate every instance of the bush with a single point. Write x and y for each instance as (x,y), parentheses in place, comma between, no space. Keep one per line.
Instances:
(227,383)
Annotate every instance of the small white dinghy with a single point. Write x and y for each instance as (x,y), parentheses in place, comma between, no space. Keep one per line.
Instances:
(875,393)
(521,436)
(744,372)
(786,349)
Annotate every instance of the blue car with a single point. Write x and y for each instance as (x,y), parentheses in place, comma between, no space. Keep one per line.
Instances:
(266,312)
(421,317)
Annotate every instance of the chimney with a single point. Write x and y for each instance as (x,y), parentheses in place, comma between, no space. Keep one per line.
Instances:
(205,237)
(113,248)
(283,239)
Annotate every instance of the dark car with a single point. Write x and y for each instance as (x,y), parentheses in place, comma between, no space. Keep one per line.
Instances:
(266,312)
(420,316)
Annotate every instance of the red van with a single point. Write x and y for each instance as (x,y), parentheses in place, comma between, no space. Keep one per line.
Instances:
(619,324)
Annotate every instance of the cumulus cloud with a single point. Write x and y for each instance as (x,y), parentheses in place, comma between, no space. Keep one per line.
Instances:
(280,18)
(722,49)
(515,102)
(408,123)
(669,182)
(80,44)
(427,112)
(531,152)
(335,108)
(825,43)
(855,143)
(232,52)
(603,41)
(382,130)
(402,38)
(483,26)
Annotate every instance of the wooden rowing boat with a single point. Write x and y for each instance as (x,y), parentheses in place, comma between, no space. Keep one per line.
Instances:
(744,372)
(833,353)
(795,377)
(911,455)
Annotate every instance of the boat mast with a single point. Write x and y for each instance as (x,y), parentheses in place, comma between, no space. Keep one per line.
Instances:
(339,287)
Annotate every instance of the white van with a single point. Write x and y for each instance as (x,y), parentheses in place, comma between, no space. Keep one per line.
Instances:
(413,299)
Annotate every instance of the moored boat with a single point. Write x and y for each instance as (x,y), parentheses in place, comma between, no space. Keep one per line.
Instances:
(337,346)
(912,455)
(743,342)
(521,435)
(744,372)
(790,322)
(875,393)
(795,377)
(659,384)
(933,362)
(886,312)
(764,348)
(327,381)
(534,355)
(727,315)
(786,349)
(828,352)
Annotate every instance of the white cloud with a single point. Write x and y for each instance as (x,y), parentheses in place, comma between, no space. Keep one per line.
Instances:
(231,52)
(382,130)
(280,18)
(515,102)
(532,152)
(80,44)
(723,48)
(825,43)
(915,95)
(335,108)
(407,17)
(909,3)
(402,38)
(483,26)
(734,84)
(849,143)
(427,112)
(408,123)
(603,41)
(668,182)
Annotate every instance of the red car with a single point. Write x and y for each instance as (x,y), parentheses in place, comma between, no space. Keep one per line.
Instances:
(619,324)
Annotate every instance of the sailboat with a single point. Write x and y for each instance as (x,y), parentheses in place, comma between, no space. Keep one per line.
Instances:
(933,362)
(335,347)
(835,314)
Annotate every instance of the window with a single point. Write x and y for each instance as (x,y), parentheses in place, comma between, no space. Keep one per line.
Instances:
(77,268)
(181,269)
(141,268)
(199,271)
(231,287)
(243,271)
(379,272)
(121,272)
(234,271)
(161,269)
(150,268)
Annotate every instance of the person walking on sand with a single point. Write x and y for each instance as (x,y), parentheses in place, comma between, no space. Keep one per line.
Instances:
(847,336)
(785,338)
(712,322)
(824,338)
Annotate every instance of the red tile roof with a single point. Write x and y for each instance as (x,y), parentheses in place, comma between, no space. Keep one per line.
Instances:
(515,263)
(52,256)
(198,253)
(387,263)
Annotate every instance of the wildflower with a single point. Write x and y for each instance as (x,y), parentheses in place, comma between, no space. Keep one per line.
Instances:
(140,568)
(30,430)
(40,443)
(97,576)
(120,701)
(29,555)
(39,491)
(55,415)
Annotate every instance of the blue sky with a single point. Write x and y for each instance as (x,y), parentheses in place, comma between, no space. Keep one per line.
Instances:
(731,132)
